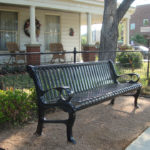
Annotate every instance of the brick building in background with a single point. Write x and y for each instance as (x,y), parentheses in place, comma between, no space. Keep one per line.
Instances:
(140,21)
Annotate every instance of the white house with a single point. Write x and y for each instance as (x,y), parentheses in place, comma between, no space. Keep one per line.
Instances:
(55,19)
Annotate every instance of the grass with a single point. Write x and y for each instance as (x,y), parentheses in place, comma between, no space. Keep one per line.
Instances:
(19,81)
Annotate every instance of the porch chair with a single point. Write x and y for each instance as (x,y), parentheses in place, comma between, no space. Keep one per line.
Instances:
(57,47)
(13,48)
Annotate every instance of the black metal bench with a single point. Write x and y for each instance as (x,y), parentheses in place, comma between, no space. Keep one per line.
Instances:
(73,87)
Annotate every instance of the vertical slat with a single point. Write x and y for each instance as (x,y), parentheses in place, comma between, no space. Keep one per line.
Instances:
(78,79)
(51,77)
(62,78)
(44,82)
(55,79)
(89,76)
(69,78)
(77,85)
(109,75)
(93,74)
(103,73)
(81,78)
(59,79)
(40,79)
(73,78)
(84,75)
(97,75)
(100,74)
(49,81)
(66,77)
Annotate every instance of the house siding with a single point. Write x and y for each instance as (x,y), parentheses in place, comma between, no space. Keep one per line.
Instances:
(67,20)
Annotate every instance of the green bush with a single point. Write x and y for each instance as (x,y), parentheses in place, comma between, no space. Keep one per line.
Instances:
(130,59)
(138,38)
(16,106)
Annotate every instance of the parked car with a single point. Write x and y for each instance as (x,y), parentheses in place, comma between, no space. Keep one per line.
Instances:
(144,50)
(141,48)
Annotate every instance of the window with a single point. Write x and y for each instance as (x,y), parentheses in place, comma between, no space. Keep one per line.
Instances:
(52,30)
(94,36)
(132,26)
(145,22)
(8,28)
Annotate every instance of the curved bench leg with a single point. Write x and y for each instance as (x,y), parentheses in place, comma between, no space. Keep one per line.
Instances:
(40,122)
(136,98)
(112,102)
(70,123)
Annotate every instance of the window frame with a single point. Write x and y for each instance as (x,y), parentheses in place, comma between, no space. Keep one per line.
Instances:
(52,14)
(144,22)
(131,26)
(18,27)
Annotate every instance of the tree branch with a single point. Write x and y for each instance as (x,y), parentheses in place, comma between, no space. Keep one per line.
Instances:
(122,9)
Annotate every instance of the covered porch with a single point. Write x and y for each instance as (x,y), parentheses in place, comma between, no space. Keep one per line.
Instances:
(34,25)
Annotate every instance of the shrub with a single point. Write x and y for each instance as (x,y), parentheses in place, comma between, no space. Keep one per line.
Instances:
(12,69)
(16,106)
(130,59)
(140,39)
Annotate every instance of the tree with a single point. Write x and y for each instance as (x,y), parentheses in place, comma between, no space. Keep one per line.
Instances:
(109,34)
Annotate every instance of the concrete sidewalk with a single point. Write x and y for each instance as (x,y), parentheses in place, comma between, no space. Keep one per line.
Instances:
(142,142)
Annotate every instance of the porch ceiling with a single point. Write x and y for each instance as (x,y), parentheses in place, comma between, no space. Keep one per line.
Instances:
(66,5)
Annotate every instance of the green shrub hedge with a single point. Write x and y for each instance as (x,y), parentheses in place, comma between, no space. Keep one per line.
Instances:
(130,59)
(16,106)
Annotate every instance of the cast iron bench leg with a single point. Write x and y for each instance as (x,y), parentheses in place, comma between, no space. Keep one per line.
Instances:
(112,102)
(136,98)
(40,122)
(69,125)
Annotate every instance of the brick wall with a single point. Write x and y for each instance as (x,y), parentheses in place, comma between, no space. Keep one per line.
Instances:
(141,12)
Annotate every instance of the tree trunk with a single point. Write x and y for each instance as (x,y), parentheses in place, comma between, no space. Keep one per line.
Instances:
(109,33)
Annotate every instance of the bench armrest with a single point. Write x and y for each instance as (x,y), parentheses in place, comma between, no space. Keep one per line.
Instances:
(69,92)
(131,75)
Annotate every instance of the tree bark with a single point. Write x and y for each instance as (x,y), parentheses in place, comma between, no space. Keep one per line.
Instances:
(109,33)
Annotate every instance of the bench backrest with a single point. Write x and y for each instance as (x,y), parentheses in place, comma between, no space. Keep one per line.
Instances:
(79,77)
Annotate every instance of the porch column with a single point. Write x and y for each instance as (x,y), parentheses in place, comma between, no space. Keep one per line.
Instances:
(32,25)
(126,31)
(33,59)
(89,29)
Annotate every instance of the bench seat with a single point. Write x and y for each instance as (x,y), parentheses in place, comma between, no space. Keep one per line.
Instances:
(98,95)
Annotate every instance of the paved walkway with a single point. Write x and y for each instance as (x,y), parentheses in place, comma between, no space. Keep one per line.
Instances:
(142,142)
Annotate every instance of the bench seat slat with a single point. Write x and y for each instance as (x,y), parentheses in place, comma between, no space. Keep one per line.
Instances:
(98,95)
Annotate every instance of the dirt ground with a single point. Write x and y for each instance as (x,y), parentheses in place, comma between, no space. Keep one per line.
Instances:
(101,127)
